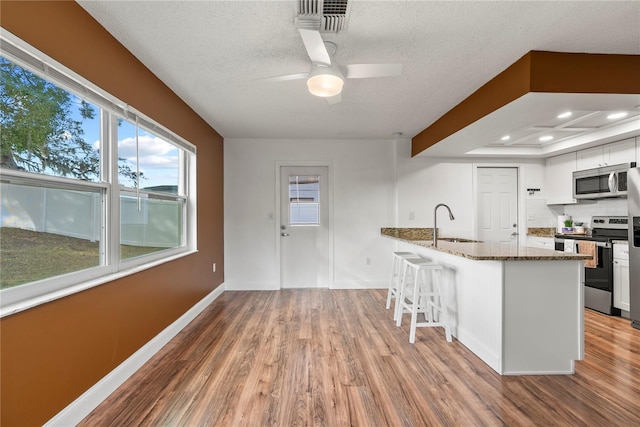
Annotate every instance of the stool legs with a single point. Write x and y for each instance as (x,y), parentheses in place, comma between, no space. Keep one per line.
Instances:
(422,294)
(439,304)
(395,280)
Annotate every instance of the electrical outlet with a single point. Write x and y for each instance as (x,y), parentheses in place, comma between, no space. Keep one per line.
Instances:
(412,216)
(214,267)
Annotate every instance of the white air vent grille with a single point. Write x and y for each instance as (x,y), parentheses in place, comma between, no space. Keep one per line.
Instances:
(323,15)
(334,7)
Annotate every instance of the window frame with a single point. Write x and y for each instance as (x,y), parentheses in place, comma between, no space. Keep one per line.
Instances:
(24,296)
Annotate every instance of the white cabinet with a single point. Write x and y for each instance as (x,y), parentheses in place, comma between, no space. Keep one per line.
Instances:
(605,155)
(620,152)
(590,158)
(558,182)
(621,297)
(541,242)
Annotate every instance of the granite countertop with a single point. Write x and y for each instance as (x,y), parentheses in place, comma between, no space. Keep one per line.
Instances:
(541,231)
(485,251)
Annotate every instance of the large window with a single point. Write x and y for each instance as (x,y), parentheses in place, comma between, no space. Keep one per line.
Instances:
(89,188)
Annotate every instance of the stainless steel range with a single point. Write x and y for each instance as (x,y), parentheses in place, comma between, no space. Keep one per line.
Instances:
(598,280)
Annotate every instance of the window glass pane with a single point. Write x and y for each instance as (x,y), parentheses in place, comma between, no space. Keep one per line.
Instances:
(158,160)
(304,199)
(52,227)
(47,232)
(156,226)
(45,129)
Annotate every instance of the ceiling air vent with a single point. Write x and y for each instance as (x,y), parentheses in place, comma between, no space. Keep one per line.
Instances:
(328,16)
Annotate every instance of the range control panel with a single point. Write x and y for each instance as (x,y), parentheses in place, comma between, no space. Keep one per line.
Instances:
(617,222)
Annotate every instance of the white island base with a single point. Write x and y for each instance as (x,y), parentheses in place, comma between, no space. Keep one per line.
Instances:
(521,317)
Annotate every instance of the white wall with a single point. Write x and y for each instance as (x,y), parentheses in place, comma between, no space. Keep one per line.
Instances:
(424,182)
(363,175)
(375,184)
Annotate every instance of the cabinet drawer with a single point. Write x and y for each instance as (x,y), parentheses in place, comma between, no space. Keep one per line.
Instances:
(540,242)
(620,251)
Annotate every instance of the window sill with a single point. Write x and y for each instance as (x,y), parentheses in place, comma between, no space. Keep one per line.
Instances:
(62,293)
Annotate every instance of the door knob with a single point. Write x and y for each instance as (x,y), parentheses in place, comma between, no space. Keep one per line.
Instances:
(514,234)
(284,234)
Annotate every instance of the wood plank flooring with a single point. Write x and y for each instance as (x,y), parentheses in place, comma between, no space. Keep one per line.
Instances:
(336,358)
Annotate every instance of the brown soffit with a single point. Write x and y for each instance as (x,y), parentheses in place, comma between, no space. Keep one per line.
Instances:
(552,72)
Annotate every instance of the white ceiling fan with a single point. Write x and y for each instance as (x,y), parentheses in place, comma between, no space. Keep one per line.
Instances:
(326,77)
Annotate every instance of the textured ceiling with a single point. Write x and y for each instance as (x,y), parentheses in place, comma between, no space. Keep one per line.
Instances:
(213,53)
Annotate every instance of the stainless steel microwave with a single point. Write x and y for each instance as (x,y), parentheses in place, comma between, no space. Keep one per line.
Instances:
(598,183)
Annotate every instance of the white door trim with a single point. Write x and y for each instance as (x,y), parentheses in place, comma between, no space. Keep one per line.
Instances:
(522,223)
(277,221)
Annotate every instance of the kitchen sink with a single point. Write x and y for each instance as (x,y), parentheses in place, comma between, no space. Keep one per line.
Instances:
(458,240)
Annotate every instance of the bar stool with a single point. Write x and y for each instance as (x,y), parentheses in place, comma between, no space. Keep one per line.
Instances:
(422,294)
(397,268)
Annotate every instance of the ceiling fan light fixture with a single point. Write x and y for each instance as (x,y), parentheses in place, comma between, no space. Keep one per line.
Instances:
(325,81)
(325,85)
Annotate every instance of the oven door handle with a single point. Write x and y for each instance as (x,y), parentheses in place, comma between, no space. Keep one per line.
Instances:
(603,244)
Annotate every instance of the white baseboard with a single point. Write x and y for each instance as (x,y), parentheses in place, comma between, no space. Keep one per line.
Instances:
(77,410)
(353,284)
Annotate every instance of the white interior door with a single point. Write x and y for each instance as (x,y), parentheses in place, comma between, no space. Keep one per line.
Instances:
(304,227)
(497,196)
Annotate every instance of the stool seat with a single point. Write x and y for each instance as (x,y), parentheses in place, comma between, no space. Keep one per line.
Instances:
(422,291)
(396,277)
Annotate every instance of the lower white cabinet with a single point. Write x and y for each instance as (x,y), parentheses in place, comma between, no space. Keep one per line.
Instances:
(540,242)
(621,297)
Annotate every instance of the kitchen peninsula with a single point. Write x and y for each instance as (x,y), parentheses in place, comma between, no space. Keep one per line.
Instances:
(519,309)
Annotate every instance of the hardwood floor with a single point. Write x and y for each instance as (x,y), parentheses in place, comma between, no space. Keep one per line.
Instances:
(336,358)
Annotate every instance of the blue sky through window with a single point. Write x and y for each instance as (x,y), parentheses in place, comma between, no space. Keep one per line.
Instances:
(159,160)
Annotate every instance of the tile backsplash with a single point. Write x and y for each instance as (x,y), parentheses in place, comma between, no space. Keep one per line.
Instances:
(583,211)
(539,214)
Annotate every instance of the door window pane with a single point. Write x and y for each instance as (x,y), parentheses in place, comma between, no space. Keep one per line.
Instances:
(47,232)
(304,200)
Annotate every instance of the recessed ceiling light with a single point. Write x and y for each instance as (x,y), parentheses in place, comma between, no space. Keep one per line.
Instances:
(545,138)
(565,115)
(619,115)
(505,138)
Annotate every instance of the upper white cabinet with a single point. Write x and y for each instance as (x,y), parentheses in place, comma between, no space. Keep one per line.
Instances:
(590,158)
(558,182)
(609,154)
(620,152)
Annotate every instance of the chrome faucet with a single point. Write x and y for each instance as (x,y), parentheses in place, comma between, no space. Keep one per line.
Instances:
(435,222)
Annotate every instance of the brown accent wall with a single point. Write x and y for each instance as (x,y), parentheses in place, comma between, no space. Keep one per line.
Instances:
(537,71)
(53,353)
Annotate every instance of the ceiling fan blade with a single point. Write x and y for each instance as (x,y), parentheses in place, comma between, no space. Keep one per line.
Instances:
(285,78)
(336,99)
(314,44)
(364,71)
